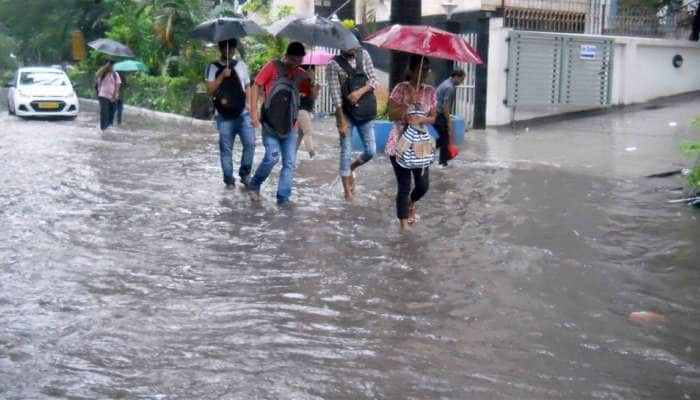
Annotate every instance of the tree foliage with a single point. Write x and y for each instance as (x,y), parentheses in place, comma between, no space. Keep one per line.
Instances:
(264,48)
(158,31)
(693,150)
(41,29)
(8,47)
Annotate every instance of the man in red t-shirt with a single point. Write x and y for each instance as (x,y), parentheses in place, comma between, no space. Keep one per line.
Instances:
(275,145)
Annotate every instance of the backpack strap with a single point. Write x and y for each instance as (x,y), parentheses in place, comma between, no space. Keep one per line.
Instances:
(280,68)
(219,65)
(359,60)
(345,65)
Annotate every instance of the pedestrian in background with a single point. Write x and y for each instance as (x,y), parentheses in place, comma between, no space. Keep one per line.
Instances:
(446,93)
(120,100)
(306,112)
(107,83)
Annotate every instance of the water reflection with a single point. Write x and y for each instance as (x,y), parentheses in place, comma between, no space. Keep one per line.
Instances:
(129,271)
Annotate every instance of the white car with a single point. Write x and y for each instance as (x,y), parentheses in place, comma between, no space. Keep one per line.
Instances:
(40,92)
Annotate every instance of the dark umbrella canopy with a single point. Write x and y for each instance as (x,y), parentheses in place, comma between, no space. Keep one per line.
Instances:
(224,28)
(111,47)
(315,31)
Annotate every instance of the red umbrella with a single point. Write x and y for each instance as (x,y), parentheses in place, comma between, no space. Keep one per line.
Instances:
(425,41)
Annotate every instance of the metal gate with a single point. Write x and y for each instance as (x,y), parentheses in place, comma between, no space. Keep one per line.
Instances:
(465,94)
(324,102)
(551,69)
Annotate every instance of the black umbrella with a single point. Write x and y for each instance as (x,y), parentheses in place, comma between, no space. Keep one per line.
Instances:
(111,47)
(315,31)
(224,28)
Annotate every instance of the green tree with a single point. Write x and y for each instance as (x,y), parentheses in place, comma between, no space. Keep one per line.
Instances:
(7,50)
(693,150)
(264,48)
(41,29)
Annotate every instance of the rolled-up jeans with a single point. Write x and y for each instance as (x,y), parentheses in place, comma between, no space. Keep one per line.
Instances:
(228,129)
(274,148)
(366,132)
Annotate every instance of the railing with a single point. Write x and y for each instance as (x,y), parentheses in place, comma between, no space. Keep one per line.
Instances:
(544,20)
(324,102)
(665,22)
(466,92)
(571,16)
(597,17)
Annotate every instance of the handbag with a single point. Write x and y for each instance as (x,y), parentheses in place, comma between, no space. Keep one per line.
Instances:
(452,151)
(415,148)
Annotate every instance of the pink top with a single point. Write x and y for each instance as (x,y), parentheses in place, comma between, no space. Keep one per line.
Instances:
(108,85)
(427,102)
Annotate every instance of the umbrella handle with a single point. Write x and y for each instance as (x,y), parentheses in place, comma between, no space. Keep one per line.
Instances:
(420,72)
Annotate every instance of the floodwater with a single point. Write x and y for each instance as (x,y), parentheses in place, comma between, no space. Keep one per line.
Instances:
(128,270)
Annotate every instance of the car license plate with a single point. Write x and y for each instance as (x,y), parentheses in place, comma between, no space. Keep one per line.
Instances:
(48,105)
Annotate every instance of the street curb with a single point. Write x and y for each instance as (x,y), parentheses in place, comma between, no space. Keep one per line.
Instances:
(658,102)
(163,116)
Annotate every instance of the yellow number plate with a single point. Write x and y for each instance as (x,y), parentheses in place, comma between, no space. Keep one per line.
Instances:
(48,105)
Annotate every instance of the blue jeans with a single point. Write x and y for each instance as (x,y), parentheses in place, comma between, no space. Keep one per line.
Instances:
(273,147)
(228,129)
(366,131)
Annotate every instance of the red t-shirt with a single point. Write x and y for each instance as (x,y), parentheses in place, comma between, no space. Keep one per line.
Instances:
(268,74)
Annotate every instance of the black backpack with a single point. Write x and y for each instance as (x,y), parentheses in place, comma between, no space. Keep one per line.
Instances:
(229,99)
(281,106)
(366,107)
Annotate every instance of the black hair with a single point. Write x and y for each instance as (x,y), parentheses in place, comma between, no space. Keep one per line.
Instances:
(296,49)
(232,43)
(458,73)
(414,63)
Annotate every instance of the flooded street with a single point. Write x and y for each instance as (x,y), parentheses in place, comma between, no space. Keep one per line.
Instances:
(129,271)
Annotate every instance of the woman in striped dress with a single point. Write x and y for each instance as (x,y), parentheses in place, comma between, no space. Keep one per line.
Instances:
(407,97)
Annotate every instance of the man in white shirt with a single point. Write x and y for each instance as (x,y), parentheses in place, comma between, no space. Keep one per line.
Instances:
(233,110)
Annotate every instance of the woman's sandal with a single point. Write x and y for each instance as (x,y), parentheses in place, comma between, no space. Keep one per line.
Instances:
(412,217)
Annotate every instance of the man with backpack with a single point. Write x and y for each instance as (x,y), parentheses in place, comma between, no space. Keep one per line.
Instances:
(352,81)
(228,83)
(283,82)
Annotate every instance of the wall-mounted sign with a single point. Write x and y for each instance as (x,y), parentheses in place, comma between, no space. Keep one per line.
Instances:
(588,52)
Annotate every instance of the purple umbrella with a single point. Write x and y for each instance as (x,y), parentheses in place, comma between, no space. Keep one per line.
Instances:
(317,57)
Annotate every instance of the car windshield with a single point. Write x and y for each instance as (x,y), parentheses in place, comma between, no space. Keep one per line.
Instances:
(43,78)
